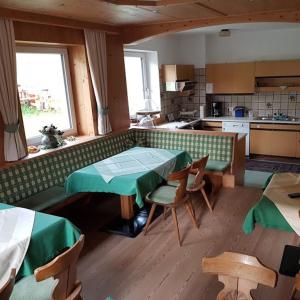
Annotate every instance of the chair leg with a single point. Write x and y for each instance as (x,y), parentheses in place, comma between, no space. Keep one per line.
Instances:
(206,199)
(150,217)
(176,225)
(190,211)
(165,212)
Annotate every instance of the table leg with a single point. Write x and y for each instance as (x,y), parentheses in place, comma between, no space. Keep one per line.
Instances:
(127,211)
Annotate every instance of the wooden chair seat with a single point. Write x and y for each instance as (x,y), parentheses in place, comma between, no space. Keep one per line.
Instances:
(172,197)
(163,195)
(29,288)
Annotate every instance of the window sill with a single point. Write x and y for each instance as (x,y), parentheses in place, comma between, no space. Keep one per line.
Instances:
(79,140)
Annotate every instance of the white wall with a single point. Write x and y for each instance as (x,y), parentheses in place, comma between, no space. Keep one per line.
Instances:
(253,45)
(246,45)
(166,47)
(192,50)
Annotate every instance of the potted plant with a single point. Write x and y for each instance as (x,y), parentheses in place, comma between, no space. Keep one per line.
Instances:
(52,137)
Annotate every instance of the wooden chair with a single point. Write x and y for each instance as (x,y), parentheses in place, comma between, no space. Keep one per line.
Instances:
(239,273)
(6,290)
(195,180)
(56,280)
(172,197)
(296,289)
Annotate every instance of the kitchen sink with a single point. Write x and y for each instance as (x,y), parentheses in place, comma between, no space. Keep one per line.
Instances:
(289,119)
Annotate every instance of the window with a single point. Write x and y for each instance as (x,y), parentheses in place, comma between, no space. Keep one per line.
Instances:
(45,92)
(142,80)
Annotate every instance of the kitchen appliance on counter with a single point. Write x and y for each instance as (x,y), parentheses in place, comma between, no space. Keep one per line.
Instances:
(239,111)
(238,127)
(216,109)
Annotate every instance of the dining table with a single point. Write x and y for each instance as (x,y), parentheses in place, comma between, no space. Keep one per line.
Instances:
(50,236)
(131,174)
(275,209)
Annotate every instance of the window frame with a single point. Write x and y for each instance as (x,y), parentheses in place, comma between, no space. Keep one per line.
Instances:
(143,57)
(35,140)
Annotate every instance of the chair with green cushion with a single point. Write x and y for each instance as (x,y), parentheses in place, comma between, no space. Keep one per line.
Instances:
(54,281)
(172,197)
(6,290)
(195,179)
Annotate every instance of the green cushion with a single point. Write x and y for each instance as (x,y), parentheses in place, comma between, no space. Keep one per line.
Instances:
(44,199)
(29,288)
(190,181)
(164,194)
(217,165)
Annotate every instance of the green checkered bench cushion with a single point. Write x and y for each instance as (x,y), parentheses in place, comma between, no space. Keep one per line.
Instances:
(33,176)
(217,165)
(45,199)
(219,147)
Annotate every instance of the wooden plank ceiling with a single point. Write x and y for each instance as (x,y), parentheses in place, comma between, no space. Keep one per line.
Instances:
(113,12)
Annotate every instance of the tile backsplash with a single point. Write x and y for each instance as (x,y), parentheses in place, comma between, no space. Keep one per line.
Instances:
(173,103)
(262,104)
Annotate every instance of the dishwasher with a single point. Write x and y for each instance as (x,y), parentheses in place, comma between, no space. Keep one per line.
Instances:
(238,127)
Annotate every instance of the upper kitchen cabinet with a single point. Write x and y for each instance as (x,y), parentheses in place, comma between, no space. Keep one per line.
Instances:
(279,68)
(230,78)
(179,78)
(173,73)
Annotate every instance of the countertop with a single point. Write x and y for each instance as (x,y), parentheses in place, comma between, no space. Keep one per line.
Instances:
(250,120)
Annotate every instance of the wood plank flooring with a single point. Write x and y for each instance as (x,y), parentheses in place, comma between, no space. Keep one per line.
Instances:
(154,267)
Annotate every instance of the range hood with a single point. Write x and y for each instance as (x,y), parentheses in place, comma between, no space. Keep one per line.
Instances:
(180,86)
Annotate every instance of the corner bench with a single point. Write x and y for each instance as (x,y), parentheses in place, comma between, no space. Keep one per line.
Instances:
(37,183)
(56,199)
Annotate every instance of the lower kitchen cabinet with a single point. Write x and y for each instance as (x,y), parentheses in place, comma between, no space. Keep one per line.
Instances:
(272,140)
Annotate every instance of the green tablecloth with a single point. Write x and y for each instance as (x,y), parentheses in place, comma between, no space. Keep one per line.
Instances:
(266,214)
(88,179)
(50,236)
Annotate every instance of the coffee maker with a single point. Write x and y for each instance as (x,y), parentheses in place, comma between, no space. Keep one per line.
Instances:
(217,109)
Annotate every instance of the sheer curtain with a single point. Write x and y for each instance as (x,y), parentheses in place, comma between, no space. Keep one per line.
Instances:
(96,52)
(14,148)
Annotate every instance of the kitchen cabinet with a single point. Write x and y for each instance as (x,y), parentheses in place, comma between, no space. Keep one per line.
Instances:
(172,73)
(230,78)
(275,139)
(279,68)
(211,125)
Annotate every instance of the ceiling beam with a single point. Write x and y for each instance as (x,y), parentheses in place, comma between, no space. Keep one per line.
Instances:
(150,3)
(218,12)
(30,17)
(135,33)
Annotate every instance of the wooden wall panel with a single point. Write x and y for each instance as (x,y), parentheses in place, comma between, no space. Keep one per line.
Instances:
(117,90)
(38,33)
(1,141)
(84,100)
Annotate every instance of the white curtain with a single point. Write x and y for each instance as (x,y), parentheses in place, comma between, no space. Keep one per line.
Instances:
(14,148)
(96,52)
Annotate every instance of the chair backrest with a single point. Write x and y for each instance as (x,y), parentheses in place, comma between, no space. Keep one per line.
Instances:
(296,289)
(239,273)
(182,177)
(7,289)
(199,167)
(63,268)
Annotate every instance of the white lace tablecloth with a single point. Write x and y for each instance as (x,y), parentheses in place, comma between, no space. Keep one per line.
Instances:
(15,232)
(137,160)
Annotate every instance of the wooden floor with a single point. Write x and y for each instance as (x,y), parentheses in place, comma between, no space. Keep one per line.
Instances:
(154,267)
